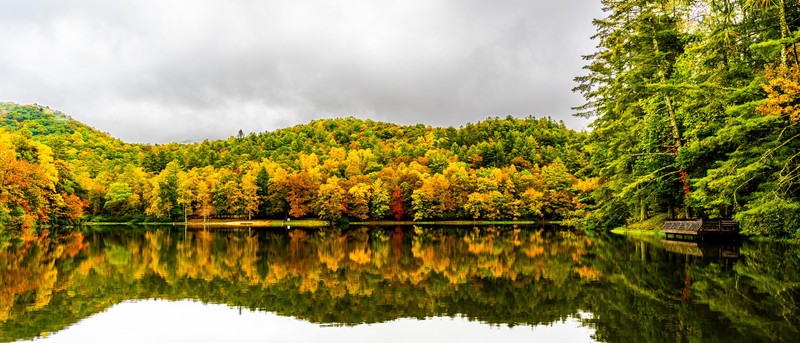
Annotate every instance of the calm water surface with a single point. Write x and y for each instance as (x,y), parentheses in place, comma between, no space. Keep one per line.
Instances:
(396,285)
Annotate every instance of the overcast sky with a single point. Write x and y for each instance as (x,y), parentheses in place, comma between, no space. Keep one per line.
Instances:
(188,70)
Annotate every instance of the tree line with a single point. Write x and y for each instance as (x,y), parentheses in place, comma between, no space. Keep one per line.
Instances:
(498,169)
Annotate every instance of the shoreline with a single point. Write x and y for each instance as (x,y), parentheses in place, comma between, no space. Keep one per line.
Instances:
(316,223)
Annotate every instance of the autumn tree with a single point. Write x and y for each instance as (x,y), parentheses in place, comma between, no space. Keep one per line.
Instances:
(379,202)
(432,200)
(299,195)
(250,197)
(329,201)
(164,197)
(397,204)
(262,190)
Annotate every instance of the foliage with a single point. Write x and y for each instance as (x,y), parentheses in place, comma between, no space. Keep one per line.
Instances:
(33,189)
(330,169)
(695,107)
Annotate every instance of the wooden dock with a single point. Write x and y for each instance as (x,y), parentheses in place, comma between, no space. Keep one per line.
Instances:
(694,229)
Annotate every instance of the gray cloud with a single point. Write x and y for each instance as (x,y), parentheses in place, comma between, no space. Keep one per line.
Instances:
(159,71)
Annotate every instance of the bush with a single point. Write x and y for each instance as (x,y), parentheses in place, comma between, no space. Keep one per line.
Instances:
(779,218)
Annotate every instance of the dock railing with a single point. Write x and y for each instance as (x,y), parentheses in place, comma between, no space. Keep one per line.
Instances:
(689,228)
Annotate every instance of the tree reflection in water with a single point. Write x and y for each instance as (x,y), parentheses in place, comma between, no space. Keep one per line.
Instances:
(635,290)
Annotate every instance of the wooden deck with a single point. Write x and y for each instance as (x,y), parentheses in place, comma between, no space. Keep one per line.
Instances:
(699,228)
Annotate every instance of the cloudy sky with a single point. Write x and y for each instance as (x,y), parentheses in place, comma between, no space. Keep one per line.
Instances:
(188,70)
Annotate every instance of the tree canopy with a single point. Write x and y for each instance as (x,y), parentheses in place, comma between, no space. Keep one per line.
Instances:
(695,112)
(496,169)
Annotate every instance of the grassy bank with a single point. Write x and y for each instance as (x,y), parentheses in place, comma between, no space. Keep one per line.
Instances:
(649,227)
(637,233)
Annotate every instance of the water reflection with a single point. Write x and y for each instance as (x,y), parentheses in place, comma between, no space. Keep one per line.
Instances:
(719,249)
(635,290)
(189,321)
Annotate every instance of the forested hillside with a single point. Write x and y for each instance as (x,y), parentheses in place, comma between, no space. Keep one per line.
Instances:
(56,169)
(696,112)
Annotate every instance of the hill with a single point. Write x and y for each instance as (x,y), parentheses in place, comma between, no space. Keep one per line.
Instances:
(361,169)
(86,148)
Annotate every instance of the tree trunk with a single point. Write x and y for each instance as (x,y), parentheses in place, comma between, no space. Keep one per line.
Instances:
(784,30)
(673,122)
(642,209)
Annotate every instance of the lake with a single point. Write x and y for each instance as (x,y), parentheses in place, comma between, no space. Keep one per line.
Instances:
(134,284)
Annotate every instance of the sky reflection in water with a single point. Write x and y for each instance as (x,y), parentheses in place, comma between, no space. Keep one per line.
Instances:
(192,321)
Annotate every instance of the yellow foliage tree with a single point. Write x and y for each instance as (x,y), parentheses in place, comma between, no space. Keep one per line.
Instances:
(783,92)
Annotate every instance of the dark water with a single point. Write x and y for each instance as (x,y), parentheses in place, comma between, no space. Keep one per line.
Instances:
(423,284)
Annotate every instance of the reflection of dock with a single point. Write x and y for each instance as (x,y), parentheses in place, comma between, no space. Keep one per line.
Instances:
(699,228)
(701,249)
